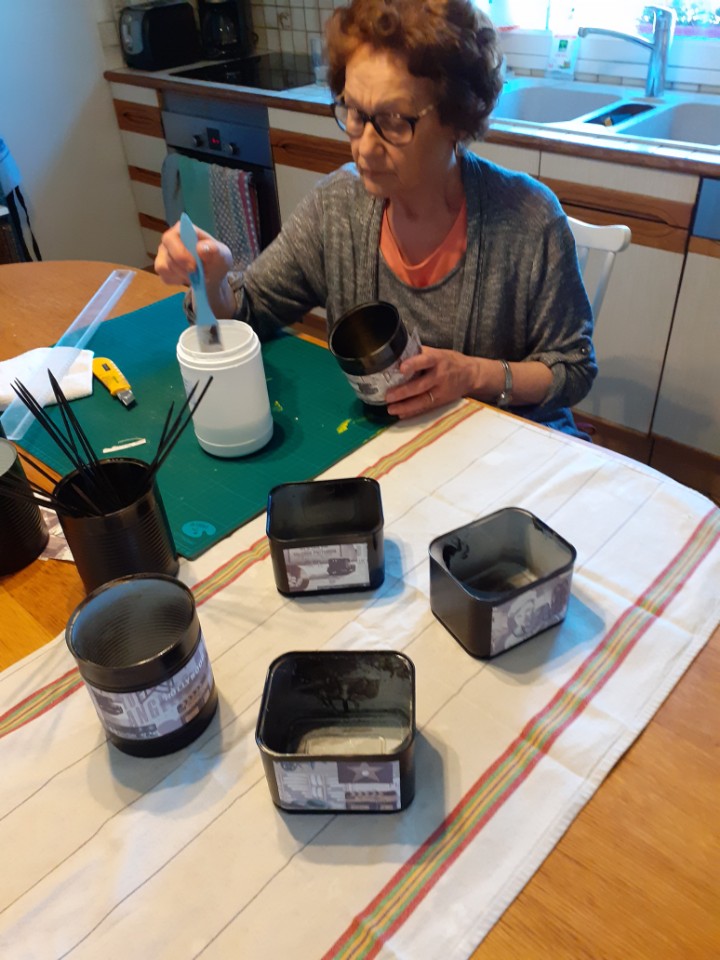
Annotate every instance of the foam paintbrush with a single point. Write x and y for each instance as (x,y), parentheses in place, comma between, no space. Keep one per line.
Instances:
(207,326)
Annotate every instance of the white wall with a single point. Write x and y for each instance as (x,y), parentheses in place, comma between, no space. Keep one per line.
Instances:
(57,118)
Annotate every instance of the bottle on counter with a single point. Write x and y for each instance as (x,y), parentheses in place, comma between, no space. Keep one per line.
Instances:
(565,44)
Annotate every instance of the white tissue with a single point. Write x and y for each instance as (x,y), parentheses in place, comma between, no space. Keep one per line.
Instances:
(77,381)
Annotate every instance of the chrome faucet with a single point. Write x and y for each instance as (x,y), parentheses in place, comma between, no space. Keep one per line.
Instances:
(659,46)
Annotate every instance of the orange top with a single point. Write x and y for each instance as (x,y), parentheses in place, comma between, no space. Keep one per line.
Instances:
(434,267)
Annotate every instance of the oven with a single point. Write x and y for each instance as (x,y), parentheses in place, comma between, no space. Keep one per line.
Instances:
(230,134)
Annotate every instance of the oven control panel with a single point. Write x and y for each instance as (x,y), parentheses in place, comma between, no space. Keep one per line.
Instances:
(246,143)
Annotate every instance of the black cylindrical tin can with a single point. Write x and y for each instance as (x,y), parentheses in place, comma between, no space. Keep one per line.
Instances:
(370,342)
(140,650)
(23,533)
(134,538)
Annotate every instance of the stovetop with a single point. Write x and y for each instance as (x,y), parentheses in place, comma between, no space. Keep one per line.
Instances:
(269,71)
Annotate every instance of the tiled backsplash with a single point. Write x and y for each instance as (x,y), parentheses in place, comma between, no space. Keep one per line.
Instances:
(289,25)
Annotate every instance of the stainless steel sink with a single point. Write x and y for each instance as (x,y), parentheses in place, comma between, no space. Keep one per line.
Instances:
(680,122)
(611,111)
(551,103)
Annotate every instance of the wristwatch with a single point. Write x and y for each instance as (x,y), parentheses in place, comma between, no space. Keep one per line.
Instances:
(505,398)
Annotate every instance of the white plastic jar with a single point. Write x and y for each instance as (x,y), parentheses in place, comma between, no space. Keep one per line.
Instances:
(234,418)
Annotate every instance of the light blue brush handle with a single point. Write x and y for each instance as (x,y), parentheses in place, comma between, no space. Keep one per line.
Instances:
(204,317)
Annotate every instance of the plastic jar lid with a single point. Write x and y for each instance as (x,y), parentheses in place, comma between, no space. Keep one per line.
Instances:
(240,343)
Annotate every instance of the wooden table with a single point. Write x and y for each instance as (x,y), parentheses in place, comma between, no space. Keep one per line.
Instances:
(38,302)
(636,875)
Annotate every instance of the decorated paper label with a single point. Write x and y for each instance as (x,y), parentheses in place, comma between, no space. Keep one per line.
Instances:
(157,711)
(343,785)
(372,387)
(529,613)
(335,566)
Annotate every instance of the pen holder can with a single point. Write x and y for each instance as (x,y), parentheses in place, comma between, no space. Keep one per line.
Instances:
(370,342)
(500,580)
(336,731)
(139,648)
(326,535)
(234,418)
(135,537)
(23,533)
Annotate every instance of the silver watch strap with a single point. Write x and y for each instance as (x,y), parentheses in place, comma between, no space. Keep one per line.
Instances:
(505,398)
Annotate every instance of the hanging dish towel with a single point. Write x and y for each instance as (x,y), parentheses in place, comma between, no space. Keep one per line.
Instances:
(186,187)
(221,200)
(235,209)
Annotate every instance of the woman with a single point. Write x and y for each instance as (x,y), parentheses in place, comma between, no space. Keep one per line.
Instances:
(481,260)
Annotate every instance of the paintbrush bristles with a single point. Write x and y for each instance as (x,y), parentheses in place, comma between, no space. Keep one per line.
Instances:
(92,484)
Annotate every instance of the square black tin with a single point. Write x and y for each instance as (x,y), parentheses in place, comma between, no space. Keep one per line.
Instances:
(500,580)
(336,731)
(326,535)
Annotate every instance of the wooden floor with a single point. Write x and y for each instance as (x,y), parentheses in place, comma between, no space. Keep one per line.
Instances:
(691,467)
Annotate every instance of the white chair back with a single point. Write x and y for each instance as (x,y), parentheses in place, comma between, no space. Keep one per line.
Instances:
(610,241)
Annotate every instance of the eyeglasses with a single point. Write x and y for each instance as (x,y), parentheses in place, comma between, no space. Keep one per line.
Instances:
(394,128)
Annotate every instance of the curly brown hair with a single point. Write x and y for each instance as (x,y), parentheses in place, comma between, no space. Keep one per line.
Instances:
(450,42)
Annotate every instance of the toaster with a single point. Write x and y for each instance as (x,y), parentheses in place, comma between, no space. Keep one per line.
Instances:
(154,36)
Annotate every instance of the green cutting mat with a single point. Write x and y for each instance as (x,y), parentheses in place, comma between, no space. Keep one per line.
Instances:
(317,422)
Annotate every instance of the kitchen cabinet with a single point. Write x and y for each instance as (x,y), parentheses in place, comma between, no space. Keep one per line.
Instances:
(512,158)
(305,147)
(688,403)
(139,118)
(632,330)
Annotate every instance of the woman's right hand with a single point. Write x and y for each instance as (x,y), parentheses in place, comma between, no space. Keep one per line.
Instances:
(174,263)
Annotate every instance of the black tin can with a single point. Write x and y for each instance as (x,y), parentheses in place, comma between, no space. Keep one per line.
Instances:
(134,538)
(140,650)
(336,731)
(326,535)
(500,580)
(23,533)
(370,342)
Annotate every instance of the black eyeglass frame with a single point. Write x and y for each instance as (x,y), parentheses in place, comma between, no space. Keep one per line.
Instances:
(371,118)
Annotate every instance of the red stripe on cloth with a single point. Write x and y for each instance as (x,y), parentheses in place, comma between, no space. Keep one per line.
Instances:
(6,718)
(53,683)
(378,939)
(223,579)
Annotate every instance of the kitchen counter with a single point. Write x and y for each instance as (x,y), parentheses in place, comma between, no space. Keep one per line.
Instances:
(314,99)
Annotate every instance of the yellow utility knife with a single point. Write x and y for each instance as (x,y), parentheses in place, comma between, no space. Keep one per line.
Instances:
(110,376)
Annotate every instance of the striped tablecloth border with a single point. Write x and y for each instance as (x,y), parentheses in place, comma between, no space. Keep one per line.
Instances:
(401,896)
(53,693)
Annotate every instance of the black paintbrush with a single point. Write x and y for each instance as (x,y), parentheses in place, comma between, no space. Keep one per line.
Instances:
(178,427)
(93,471)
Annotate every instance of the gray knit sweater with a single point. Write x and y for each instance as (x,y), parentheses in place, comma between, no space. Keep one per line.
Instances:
(516,295)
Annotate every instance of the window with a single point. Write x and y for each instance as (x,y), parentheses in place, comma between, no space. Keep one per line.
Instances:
(695,18)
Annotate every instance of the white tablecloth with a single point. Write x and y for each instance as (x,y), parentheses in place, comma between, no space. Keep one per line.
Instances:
(106,855)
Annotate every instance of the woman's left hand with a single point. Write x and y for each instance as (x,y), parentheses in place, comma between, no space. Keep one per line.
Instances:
(438,377)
